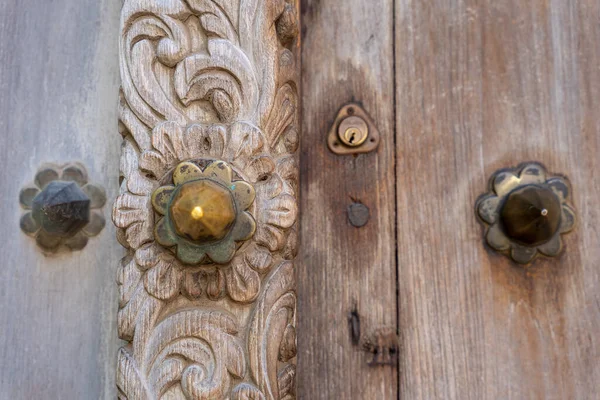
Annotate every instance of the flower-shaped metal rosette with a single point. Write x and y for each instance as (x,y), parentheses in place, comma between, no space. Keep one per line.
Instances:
(63,209)
(204,213)
(526,212)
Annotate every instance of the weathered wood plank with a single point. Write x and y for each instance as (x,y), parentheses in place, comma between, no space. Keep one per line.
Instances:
(347,55)
(59,81)
(483,85)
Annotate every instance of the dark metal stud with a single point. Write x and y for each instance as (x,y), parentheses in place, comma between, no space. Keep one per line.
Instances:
(531,215)
(358,214)
(526,211)
(62,208)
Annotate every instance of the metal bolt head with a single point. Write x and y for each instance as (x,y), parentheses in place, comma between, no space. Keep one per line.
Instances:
(353,131)
(61,209)
(203,211)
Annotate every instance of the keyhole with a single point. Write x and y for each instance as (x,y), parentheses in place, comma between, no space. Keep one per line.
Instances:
(352,137)
(353,131)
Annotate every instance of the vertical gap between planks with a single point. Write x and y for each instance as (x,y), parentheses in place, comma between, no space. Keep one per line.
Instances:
(396,227)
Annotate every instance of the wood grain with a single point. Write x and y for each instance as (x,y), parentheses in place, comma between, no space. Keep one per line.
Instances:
(59,80)
(346,271)
(483,85)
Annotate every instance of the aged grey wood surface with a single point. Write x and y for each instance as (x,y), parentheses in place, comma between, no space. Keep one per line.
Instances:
(59,86)
(347,55)
(483,85)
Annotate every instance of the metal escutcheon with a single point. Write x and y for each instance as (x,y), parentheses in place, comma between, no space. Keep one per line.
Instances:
(353,131)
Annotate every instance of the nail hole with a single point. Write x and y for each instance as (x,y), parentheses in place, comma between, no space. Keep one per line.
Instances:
(372,140)
(350,110)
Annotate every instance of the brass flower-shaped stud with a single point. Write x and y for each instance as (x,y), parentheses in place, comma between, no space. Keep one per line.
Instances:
(526,212)
(204,213)
(63,208)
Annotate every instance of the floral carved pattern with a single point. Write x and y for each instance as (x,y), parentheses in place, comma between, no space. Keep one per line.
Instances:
(208,82)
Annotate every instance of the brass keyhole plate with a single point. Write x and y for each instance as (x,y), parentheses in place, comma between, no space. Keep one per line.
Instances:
(353,131)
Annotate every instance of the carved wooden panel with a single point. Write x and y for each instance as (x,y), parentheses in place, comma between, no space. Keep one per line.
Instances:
(208,86)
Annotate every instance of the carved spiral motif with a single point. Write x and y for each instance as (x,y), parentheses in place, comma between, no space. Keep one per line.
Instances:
(208,83)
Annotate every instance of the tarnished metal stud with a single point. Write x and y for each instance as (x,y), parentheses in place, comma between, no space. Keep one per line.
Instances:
(203,212)
(62,208)
(526,212)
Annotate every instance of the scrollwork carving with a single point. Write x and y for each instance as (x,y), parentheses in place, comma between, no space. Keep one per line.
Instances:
(208,84)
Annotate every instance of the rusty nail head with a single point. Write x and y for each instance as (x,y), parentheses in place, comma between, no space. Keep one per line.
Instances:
(358,214)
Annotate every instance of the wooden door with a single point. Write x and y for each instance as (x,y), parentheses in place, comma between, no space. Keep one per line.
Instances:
(399,294)
(458,90)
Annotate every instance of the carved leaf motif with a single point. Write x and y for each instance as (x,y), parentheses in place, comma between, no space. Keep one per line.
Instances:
(134,180)
(171,145)
(257,21)
(130,124)
(218,17)
(284,113)
(140,307)
(129,380)
(144,24)
(163,280)
(259,258)
(287,348)
(279,213)
(193,284)
(286,381)
(131,213)
(225,69)
(128,277)
(275,310)
(167,140)
(216,285)
(243,283)
(245,391)
(246,140)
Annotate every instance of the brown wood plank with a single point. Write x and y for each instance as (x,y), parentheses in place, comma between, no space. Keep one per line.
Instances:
(482,85)
(347,55)
(59,87)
